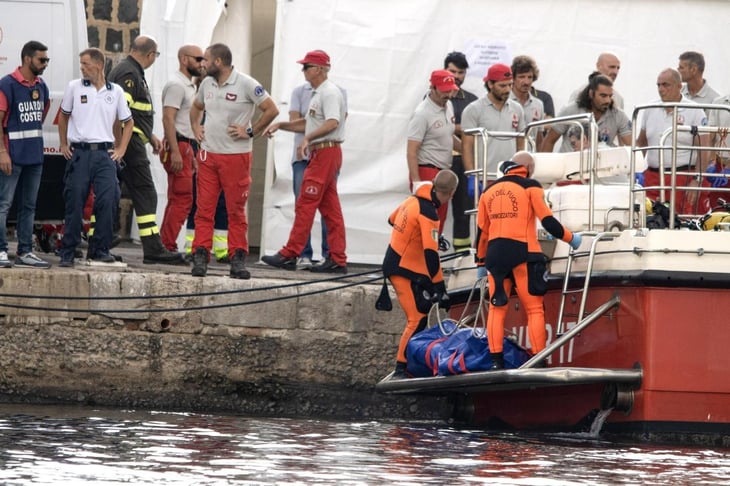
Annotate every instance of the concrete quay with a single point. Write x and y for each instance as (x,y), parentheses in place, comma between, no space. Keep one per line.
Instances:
(153,337)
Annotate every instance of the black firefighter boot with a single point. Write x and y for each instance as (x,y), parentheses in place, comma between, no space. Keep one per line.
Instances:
(155,252)
(497,361)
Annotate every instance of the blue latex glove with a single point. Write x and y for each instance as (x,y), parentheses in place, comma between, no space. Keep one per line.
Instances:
(481,272)
(575,241)
(470,186)
(639,178)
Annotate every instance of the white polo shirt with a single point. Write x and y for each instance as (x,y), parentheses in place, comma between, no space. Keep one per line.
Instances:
(656,120)
(93,113)
(231,103)
(179,93)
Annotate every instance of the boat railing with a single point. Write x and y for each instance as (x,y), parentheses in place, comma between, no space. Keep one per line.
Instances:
(673,148)
(583,290)
(482,146)
(563,339)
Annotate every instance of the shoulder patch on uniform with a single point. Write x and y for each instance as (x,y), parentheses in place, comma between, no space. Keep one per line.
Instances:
(258,90)
(129,83)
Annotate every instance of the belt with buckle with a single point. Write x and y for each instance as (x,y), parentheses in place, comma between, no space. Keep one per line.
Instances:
(92,146)
(669,169)
(182,138)
(327,144)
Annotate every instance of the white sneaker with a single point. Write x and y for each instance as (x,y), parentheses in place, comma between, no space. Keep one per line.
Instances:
(4,262)
(31,260)
(304,263)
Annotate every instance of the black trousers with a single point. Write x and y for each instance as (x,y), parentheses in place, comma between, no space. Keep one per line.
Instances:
(137,178)
(460,203)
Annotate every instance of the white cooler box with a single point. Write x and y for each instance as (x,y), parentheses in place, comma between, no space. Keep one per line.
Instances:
(569,204)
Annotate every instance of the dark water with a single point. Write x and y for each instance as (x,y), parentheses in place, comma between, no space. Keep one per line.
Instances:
(85,446)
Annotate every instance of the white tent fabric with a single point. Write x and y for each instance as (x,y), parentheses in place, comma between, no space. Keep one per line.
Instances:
(383,52)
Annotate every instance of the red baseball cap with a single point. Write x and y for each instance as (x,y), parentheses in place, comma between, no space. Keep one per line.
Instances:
(320,58)
(443,80)
(498,72)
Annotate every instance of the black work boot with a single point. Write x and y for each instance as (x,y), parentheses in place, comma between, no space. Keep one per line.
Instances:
(497,361)
(400,371)
(200,262)
(155,252)
(238,268)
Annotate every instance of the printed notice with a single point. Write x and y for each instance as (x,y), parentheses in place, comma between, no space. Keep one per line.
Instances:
(481,54)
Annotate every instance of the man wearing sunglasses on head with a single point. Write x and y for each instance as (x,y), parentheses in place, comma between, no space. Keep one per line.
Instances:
(179,146)
(24,104)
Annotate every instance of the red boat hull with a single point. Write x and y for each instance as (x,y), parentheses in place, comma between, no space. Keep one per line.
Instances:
(677,335)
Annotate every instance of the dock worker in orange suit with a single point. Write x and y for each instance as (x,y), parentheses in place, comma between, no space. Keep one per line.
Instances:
(508,248)
(324,132)
(412,259)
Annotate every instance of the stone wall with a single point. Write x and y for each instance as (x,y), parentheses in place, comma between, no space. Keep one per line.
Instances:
(258,347)
(112,25)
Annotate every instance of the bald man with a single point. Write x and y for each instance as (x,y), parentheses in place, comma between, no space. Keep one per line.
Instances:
(135,172)
(609,65)
(507,246)
(180,146)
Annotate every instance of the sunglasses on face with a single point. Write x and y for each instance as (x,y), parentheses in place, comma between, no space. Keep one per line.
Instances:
(197,58)
(44,60)
(307,66)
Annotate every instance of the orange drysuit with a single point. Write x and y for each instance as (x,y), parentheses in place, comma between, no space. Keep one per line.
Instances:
(508,247)
(412,260)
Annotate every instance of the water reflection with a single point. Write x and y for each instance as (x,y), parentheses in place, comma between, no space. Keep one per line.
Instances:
(62,445)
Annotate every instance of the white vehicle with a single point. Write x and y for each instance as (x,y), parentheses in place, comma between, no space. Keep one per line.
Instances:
(60,25)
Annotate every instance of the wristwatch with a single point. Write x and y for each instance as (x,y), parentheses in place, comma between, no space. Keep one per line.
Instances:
(249,132)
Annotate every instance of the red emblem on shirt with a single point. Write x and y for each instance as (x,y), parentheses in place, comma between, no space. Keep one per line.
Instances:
(231,96)
(515,121)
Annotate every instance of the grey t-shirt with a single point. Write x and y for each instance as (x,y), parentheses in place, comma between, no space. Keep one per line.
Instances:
(433,126)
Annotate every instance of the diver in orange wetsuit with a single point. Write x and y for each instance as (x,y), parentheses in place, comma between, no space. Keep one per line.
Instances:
(508,248)
(412,260)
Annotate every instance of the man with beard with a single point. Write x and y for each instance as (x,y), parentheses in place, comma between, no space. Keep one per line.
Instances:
(525,72)
(228,98)
(596,98)
(456,63)
(495,112)
(24,103)
(178,157)
(431,138)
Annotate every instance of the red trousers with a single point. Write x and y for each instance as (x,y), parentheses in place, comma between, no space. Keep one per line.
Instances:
(687,202)
(407,301)
(179,195)
(319,192)
(533,305)
(427,174)
(232,174)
